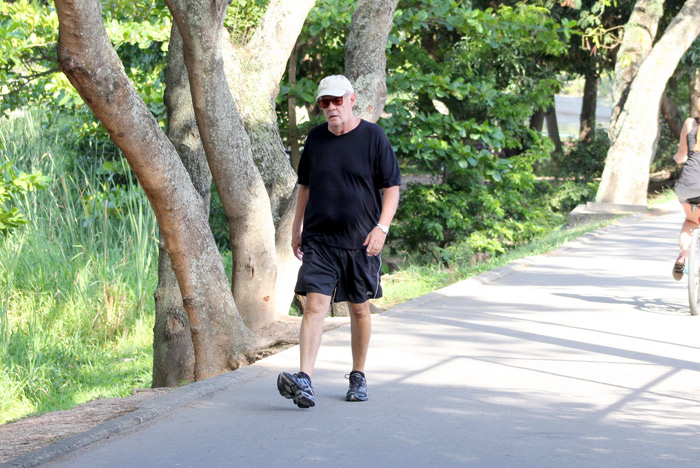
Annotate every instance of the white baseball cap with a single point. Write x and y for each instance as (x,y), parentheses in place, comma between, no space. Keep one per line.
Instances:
(334,85)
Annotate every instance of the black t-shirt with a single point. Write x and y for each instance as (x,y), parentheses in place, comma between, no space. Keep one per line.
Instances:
(345,175)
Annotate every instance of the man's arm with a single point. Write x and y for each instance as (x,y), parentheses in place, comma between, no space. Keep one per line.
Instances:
(376,237)
(302,199)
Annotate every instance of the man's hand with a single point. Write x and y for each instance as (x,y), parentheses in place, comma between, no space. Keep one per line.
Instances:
(374,241)
(296,245)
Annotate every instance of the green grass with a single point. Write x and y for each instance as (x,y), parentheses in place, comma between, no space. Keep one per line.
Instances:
(75,281)
(662,197)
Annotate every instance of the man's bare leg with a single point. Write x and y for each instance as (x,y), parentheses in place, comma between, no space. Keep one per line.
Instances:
(315,311)
(360,331)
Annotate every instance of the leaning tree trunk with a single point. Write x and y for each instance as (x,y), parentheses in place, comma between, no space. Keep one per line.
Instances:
(171,363)
(365,55)
(254,71)
(91,64)
(588,107)
(640,32)
(293,134)
(626,174)
(228,149)
(173,354)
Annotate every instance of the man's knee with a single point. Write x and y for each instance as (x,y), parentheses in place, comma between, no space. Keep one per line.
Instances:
(317,304)
(359,310)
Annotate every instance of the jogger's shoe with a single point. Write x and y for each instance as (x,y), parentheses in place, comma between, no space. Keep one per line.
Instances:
(297,387)
(358,387)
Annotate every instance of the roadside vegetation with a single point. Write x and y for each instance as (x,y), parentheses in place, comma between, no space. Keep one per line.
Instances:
(77,280)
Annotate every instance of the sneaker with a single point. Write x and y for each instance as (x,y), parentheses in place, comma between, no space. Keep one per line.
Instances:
(358,387)
(297,387)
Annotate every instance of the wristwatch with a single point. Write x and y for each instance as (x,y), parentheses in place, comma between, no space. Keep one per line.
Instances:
(384,229)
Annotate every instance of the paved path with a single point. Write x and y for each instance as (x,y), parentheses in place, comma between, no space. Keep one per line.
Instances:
(586,357)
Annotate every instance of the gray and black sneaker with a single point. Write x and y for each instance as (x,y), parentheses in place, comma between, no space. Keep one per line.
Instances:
(297,387)
(358,387)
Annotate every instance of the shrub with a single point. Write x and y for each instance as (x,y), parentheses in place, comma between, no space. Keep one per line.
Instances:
(470,215)
(584,161)
(569,194)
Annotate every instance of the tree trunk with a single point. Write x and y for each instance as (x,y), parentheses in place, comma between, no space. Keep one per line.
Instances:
(695,92)
(365,55)
(640,32)
(626,174)
(173,354)
(553,127)
(293,134)
(254,71)
(171,365)
(89,61)
(588,107)
(537,120)
(227,143)
(671,115)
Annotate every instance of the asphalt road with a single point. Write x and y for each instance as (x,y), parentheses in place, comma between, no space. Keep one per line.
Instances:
(585,357)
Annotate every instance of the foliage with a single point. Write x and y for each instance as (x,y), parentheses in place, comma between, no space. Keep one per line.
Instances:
(13,183)
(471,215)
(569,194)
(28,35)
(582,160)
(76,281)
(139,31)
(462,100)
(242,17)
(463,82)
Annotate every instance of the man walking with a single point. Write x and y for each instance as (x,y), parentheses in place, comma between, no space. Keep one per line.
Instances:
(348,193)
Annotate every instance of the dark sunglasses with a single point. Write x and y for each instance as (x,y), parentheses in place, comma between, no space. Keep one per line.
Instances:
(324,103)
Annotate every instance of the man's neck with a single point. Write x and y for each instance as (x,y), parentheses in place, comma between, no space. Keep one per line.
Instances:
(345,127)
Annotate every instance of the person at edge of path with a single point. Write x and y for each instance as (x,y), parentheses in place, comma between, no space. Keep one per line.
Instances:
(349,182)
(687,187)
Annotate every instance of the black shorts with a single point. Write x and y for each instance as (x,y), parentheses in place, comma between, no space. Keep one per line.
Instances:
(345,275)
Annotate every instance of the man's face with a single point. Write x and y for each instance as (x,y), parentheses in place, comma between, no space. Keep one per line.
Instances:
(337,114)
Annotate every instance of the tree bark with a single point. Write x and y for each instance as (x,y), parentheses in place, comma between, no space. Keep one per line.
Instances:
(695,92)
(254,71)
(626,174)
(671,115)
(226,144)
(173,354)
(365,55)
(171,363)
(293,134)
(537,120)
(550,116)
(637,42)
(89,61)
(588,107)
